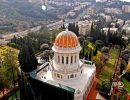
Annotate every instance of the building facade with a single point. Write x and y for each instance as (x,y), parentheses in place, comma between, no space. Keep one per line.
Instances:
(66,72)
(126,8)
(84,27)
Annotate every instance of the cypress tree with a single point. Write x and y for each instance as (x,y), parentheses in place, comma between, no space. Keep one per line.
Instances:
(95,52)
(92,29)
(108,36)
(14,39)
(90,55)
(63,27)
(27,59)
(69,27)
(30,94)
(86,56)
(77,30)
(83,53)
(73,28)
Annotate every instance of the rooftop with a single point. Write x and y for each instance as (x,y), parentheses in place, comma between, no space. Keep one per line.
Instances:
(44,74)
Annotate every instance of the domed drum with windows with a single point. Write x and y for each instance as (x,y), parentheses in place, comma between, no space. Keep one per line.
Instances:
(66,64)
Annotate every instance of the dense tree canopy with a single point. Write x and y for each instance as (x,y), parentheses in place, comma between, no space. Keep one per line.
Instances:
(74,28)
(27,59)
(8,66)
(99,44)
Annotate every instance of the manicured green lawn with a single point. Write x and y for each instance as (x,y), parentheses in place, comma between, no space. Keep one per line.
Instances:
(13,96)
(126,84)
(108,68)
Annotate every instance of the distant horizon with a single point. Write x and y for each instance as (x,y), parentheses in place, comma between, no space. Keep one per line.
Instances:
(125,0)
(120,0)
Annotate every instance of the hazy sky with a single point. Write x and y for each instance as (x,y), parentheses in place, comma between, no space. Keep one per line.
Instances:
(121,0)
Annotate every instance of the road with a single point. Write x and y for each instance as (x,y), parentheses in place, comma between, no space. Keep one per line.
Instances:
(59,23)
(8,37)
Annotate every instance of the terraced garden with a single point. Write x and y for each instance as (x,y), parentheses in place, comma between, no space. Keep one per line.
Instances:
(109,68)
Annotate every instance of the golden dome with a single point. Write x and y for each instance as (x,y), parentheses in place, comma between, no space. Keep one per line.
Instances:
(67,40)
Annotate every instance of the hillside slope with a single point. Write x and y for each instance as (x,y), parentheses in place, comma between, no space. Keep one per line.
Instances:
(23,10)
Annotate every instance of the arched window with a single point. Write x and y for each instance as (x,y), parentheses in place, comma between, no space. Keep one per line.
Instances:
(67,60)
(62,60)
(58,75)
(72,76)
(71,59)
(75,58)
(81,71)
(58,59)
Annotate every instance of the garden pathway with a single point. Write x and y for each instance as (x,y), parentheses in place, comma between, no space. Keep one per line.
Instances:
(93,92)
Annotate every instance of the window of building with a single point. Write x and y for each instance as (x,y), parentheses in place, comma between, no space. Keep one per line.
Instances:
(61,76)
(58,75)
(68,76)
(62,60)
(58,59)
(55,74)
(67,60)
(75,58)
(81,71)
(72,76)
(71,59)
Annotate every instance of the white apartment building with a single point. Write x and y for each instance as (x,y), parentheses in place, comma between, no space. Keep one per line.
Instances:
(84,27)
(126,8)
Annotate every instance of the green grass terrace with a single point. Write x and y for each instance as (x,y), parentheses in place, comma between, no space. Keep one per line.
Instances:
(109,67)
(13,97)
(126,84)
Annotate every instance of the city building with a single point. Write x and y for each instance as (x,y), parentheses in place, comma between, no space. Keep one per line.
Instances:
(113,10)
(91,11)
(71,13)
(66,76)
(3,42)
(126,28)
(84,27)
(112,30)
(103,0)
(120,22)
(106,17)
(126,8)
